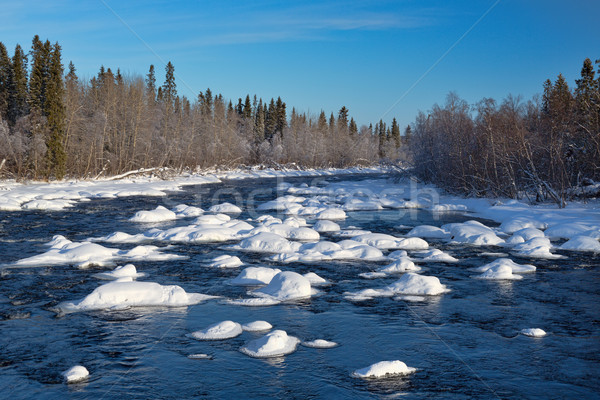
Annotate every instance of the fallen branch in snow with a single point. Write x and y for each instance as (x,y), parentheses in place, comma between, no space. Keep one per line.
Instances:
(135,172)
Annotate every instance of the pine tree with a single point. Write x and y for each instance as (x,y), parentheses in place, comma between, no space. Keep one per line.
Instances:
(247,111)
(18,95)
(322,123)
(343,119)
(55,112)
(407,134)
(259,124)
(270,120)
(280,116)
(39,75)
(331,124)
(395,133)
(151,85)
(169,88)
(6,81)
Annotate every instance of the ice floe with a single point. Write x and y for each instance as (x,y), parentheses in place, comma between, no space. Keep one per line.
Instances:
(76,374)
(120,295)
(434,255)
(428,232)
(226,261)
(319,344)
(385,242)
(252,276)
(124,271)
(316,280)
(267,242)
(326,226)
(285,286)
(513,225)
(331,214)
(383,369)
(399,266)
(325,250)
(159,214)
(499,272)
(533,332)
(537,247)
(581,243)
(514,267)
(257,326)
(409,284)
(523,235)
(472,232)
(219,331)
(274,344)
(83,254)
(225,208)
(185,211)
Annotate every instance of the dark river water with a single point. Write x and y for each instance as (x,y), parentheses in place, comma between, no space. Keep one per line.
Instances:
(465,344)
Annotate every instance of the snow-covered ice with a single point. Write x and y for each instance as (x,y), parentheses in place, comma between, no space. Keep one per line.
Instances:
(472,232)
(123,271)
(326,226)
(257,326)
(267,242)
(434,255)
(286,285)
(399,266)
(159,214)
(274,344)
(225,208)
(385,242)
(252,276)
(533,332)
(499,272)
(76,374)
(507,262)
(319,344)
(383,369)
(582,243)
(219,331)
(120,295)
(226,261)
(428,232)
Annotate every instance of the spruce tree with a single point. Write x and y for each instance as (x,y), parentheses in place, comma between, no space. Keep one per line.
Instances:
(343,118)
(395,133)
(55,112)
(280,116)
(259,124)
(151,85)
(322,123)
(6,81)
(270,120)
(247,111)
(18,94)
(39,75)
(353,129)
(169,88)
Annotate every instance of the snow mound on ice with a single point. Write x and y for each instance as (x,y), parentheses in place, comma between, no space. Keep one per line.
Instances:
(440,208)
(523,235)
(533,332)
(567,230)
(124,271)
(324,250)
(411,283)
(47,205)
(582,243)
(472,232)
(516,224)
(537,247)
(219,331)
(326,226)
(316,280)
(226,261)
(185,211)
(212,219)
(428,232)
(384,242)
(252,276)
(159,214)
(257,326)
(434,255)
(76,374)
(319,344)
(274,344)
(225,208)
(519,268)
(266,242)
(331,214)
(133,294)
(399,266)
(286,285)
(499,272)
(254,302)
(383,369)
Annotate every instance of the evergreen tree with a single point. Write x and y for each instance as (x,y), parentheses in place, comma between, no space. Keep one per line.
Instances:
(353,129)
(407,134)
(280,116)
(270,120)
(259,123)
(239,108)
(395,133)
(343,119)
(39,76)
(169,88)
(18,94)
(247,111)
(322,123)
(331,124)
(55,112)
(6,81)
(151,84)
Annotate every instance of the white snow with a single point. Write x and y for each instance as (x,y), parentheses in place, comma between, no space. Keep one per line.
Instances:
(523,235)
(326,226)
(76,374)
(514,225)
(582,243)
(316,280)
(124,271)
(533,332)
(200,356)
(570,230)
(514,267)
(185,211)
(219,331)
(320,344)
(428,232)
(399,266)
(331,214)
(472,232)
(409,284)
(499,272)
(434,255)
(225,208)
(286,285)
(537,247)
(159,214)
(324,250)
(385,242)
(252,276)
(441,208)
(226,261)
(383,369)
(273,344)
(267,242)
(133,294)
(257,326)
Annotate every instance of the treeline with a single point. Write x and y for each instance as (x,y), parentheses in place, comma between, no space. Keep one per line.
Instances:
(55,124)
(544,146)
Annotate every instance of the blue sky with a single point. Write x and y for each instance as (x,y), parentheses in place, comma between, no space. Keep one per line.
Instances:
(320,55)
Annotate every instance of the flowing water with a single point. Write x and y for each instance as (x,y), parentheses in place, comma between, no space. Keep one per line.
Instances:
(465,343)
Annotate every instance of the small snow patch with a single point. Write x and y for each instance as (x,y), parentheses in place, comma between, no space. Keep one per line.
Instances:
(384,369)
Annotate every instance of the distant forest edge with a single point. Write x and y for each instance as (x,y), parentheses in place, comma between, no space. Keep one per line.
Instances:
(54,124)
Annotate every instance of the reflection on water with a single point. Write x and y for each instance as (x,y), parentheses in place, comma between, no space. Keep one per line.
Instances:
(465,343)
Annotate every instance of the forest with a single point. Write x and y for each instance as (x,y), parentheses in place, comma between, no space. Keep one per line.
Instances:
(54,124)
